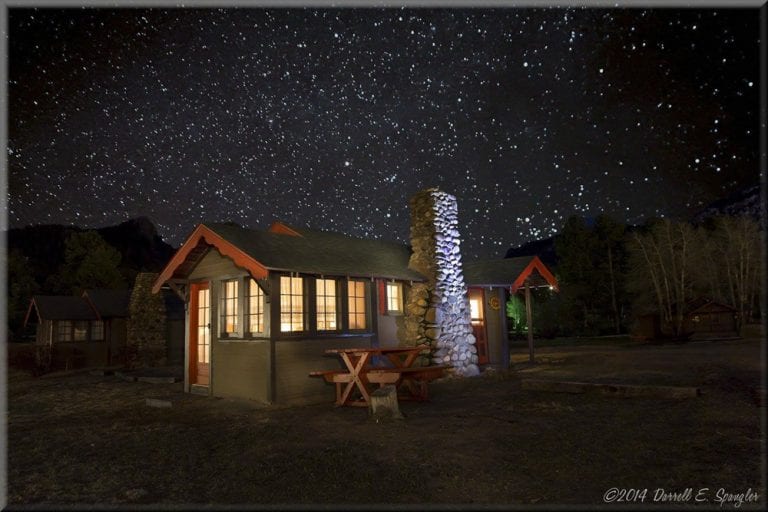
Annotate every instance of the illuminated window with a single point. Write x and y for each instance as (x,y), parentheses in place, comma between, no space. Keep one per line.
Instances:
(394,297)
(64,330)
(326,305)
(81,330)
(291,304)
(357,311)
(229,299)
(474,308)
(255,307)
(97,330)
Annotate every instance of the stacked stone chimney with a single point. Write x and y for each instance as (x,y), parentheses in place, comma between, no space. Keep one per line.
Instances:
(145,343)
(437,312)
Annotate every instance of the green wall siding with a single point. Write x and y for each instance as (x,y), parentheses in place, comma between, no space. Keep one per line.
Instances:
(294,359)
(215,266)
(240,369)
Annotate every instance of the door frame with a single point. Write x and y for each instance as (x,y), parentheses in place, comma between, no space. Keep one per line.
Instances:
(482,325)
(194,309)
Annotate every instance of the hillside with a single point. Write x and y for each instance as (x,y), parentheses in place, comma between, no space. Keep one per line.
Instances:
(137,240)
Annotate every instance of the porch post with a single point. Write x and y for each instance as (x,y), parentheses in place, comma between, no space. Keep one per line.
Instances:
(529,320)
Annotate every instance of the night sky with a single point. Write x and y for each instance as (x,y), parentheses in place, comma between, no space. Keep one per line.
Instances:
(333,118)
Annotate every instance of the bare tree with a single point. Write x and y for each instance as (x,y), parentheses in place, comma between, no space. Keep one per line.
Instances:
(736,246)
(662,259)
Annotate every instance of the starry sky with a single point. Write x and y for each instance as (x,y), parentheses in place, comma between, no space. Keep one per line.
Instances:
(333,118)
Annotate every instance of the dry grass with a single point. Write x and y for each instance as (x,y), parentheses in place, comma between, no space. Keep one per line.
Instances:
(87,440)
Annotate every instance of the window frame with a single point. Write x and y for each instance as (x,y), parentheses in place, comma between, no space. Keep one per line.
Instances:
(68,335)
(224,314)
(92,326)
(297,307)
(80,330)
(261,310)
(388,298)
(353,311)
(334,300)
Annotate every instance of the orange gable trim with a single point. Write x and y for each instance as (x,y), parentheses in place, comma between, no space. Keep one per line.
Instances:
(29,312)
(537,264)
(205,234)
(281,229)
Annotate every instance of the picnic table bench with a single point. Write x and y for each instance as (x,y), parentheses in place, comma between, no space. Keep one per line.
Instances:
(414,378)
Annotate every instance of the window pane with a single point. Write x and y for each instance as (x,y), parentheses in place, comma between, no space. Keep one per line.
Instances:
(356,300)
(255,307)
(291,304)
(97,330)
(81,331)
(326,304)
(394,297)
(229,304)
(64,332)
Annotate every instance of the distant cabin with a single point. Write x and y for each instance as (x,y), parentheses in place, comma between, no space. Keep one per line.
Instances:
(84,331)
(705,318)
(91,330)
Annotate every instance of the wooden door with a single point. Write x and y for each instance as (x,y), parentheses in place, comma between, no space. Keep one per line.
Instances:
(477,312)
(199,334)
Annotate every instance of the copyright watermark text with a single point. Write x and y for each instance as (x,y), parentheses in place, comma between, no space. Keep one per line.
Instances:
(722,497)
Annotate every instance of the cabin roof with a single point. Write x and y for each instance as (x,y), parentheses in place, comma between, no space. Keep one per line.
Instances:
(109,303)
(289,249)
(55,307)
(509,272)
(320,252)
(706,305)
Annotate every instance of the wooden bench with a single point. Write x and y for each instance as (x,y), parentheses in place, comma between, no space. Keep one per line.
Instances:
(337,377)
(413,378)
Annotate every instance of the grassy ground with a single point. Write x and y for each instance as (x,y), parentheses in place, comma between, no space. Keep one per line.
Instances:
(82,440)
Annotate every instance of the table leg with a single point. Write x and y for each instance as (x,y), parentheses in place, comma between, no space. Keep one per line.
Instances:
(355,370)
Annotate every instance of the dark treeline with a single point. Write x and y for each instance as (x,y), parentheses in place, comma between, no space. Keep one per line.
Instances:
(610,274)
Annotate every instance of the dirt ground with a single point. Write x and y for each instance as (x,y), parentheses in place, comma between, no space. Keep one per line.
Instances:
(85,440)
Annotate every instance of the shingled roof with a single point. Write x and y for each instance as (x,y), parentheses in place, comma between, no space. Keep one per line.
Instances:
(55,307)
(109,303)
(512,272)
(293,250)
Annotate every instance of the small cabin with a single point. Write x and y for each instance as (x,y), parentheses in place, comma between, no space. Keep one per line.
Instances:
(706,318)
(84,331)
(263,306)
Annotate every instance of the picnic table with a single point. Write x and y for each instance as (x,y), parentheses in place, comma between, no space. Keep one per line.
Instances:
(395,366)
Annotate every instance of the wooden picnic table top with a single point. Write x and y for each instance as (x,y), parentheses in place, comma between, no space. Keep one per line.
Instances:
(376,350)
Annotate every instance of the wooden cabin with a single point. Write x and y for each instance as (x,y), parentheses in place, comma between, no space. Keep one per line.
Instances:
(489,283)
(84,331)
(706,318)
(263,306)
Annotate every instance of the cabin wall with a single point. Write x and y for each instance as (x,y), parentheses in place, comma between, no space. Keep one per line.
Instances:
(496,326)
(240,369)
(387,329)
(79,354)
(295,359)
(117,335)
(214,266)
(44,332)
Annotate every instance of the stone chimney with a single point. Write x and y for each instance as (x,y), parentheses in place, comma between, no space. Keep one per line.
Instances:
(437,312)
(145,343)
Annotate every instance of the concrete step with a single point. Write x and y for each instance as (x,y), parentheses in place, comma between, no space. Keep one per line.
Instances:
(197,389)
